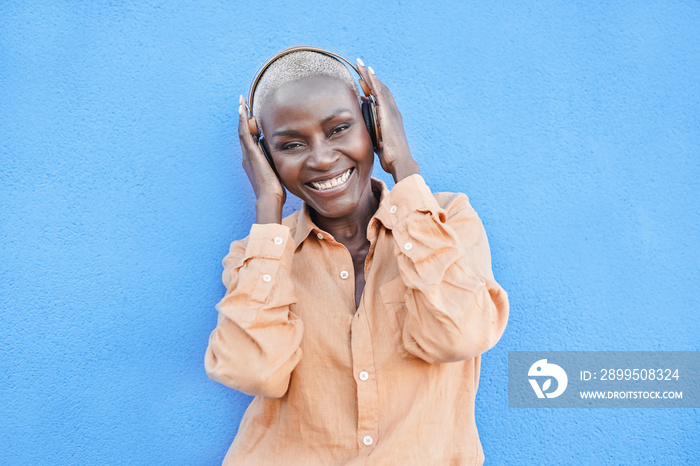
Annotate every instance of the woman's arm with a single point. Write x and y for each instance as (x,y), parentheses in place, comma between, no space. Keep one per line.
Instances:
(455,310)
(255,345)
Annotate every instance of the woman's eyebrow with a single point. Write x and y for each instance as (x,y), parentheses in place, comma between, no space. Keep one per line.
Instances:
(285,132)
(336,114)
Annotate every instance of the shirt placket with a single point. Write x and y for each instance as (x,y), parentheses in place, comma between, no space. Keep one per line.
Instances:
(365,379)
(367,434)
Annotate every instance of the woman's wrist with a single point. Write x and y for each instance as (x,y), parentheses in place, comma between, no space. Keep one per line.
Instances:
(405,169)
(268,211)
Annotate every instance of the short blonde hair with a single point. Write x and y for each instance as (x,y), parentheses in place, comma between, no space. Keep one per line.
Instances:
(295,66)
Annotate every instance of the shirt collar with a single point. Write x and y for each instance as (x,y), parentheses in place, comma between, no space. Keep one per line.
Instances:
(306,226)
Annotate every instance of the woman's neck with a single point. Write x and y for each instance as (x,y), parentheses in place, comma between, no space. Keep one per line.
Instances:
(351,230)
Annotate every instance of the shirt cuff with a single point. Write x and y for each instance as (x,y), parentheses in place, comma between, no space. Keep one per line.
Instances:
(408,196)
(267,240)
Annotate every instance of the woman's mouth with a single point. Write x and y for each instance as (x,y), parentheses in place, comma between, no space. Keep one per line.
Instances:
(333,182)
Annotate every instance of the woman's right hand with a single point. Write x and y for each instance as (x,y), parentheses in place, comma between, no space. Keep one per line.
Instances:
(269,192)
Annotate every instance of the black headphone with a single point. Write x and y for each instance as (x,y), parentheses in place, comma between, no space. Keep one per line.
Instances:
(369,110)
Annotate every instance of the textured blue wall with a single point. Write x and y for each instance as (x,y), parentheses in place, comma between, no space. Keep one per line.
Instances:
(573,127)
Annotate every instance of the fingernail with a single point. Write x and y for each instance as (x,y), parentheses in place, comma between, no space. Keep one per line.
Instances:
(240,109)
(371,70)
(240,99)
(360,62)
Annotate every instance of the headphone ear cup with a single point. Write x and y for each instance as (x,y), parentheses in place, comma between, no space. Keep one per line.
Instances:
(253,126)
(369,114)
(262,143)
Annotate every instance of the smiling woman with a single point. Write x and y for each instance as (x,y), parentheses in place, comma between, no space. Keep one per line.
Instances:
(321,148)
(359,321)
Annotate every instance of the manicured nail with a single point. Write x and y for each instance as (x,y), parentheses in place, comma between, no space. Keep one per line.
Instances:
(240,109)
(240,99)
(360,62)
(371,70)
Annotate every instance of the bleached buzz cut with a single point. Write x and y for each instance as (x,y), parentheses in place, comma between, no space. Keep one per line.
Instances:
(295,66)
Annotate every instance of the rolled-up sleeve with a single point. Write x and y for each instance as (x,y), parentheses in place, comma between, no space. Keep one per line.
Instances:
(455,308)
(255,345)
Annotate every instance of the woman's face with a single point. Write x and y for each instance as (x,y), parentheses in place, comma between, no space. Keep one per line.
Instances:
(319,143)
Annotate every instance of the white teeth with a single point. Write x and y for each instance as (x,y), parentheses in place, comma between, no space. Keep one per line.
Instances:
(340,179)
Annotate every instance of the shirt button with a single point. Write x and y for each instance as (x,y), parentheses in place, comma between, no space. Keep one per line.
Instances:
(267,278)
(363,375)
(319,235)
(278,240)
(367,440)
(393,209)
(408,246)
(344,274)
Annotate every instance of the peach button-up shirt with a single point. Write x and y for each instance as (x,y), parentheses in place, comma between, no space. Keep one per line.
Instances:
(391,382)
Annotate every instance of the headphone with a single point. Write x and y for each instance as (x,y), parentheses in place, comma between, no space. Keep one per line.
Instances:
(369,110)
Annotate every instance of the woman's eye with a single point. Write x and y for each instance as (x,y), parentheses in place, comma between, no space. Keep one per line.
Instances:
(339,129)
(290,146)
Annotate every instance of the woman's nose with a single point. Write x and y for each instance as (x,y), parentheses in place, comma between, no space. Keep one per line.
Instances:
(322,156)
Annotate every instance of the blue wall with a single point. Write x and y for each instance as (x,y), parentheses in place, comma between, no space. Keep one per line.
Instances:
(573,127)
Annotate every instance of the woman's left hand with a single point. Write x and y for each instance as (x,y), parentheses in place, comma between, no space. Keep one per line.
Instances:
(394,154)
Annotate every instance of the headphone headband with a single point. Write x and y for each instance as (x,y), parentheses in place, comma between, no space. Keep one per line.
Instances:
(299,48)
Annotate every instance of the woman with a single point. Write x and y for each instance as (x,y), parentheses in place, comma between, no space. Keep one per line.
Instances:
(358,322)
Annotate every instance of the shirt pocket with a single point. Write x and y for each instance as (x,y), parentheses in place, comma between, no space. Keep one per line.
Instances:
(393,295)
